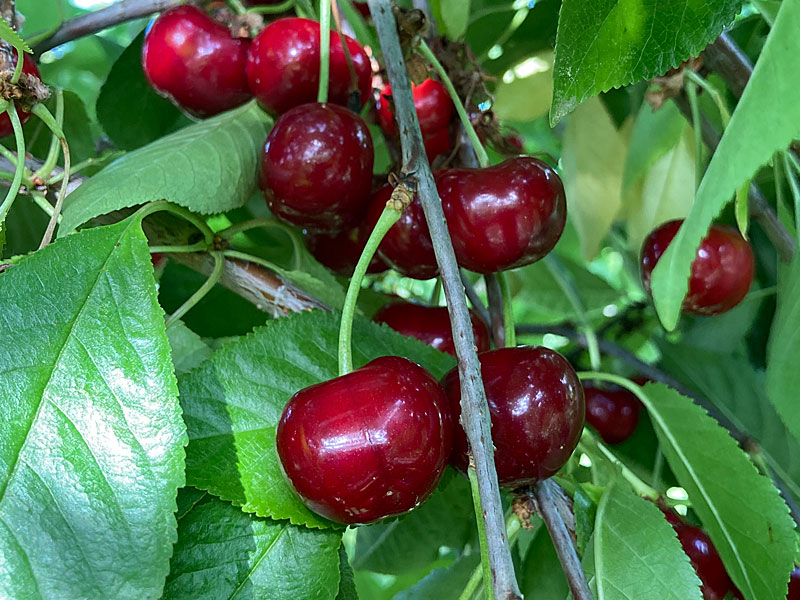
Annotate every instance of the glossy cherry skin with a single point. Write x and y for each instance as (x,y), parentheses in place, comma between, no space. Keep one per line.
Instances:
(193,60)
(537,409)
(431,101)
(430,324)
(29,67)
(437,143)
(316,168)
(613,412)
(794,585)
(722,270)
(706,562)
(407,246)
(504,216)
(340,251)
(369,444)
(283,66)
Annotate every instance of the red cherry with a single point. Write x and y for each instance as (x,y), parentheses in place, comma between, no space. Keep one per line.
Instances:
(340,251)
(722,270)
(614,413)
(706,562)
(283,66)
(437,143)
(431,100)
(671,516)
(407,246)
(363,8)
(537,411)
(794,585)
(369,444)
(316,169)
(193,60)
(504,216)
(158,259)
(29,67)
(430,324)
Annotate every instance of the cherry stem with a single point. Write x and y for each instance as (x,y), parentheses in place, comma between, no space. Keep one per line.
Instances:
(275,8)
(40,201)
(475,409)
(486,565)
(213,279)
(163,205)
(544,494)
(18,67)
(324,49)
(40,110)
(694,106)
(237,6)
(711,90)
(475,300)
(496,310)
(230,232)
(508,311)
(198,247)
(791,168)
(51,160)
(480,151)
(11,111)
(388,217)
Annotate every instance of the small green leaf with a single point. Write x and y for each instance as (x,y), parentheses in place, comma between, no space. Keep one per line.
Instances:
(131,113)
(13,38)
(222,552)
(233,401)
(611,43)
(452,16)
(766,119)
(208,167)
(92,437)
(188,349)
(541,575)
(636,552)
(783,375)
(592,159)
(411,542)
(743,513)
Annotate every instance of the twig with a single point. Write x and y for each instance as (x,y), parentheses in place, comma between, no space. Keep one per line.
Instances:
(475,300)
(726,58)
(92,22)
(544,495)
(475,411)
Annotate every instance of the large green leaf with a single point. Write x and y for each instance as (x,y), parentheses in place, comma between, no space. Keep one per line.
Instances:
(233,401)
(739,392)
(783,375)
(766,119)
(541,575)
(611,43)
(222,552)
(91,455)
(131,113)
(636,552)
(741,510)
(208,167)
(411,542)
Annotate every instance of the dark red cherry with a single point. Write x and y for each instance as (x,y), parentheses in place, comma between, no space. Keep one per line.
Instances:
(283,66)
(407,246)
(362,7)
(430,324)
(432,102)
(316,169)
(340,251)
(437,143)
(504,216)
(537,411)
(29,67)
(706,562)
(369,444)
(794,585)
(158,259)
(670,515)
(722,270)
(193,60)
(613,412)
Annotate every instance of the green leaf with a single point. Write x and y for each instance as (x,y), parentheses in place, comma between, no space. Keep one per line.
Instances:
(585,510)
(411,542)
(541,574)
(222,552)
(131,113)
(526,97)
(12,37)
(783,375)
(611,43)
(743,513)
(188,349)
(92,453)
(592,159)
(636,552)
(766,119)
(452,16)
(445,583)
(233,401)
(347,584)
(208,167)
(24,225)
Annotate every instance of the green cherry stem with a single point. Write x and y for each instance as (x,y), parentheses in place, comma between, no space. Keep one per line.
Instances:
(275,8)
(40,201)
(18,67)
(694,106)
(389,217)
(297,245)
(41,111)
(219,265)
(55,143)
(324,49)
(11,111)
(480,151)
(486,565)
(198,247)
(163,205)
(508,311)
(237,7)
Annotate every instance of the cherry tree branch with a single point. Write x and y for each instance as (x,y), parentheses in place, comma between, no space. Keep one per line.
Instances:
(92,22)
(475,411)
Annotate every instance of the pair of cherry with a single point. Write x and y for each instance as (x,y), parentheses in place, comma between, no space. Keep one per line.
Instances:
(196,62)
